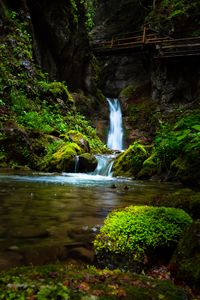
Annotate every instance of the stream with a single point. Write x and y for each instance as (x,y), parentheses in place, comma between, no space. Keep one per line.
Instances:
(45,217)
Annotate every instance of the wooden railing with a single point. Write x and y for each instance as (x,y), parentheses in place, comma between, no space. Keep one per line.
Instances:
(163,46)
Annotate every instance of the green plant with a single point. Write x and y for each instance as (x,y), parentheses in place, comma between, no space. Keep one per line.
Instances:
(59,291)
(136,230)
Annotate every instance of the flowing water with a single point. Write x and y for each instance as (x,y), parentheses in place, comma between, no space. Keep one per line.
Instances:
(115,135)
(45,217)
(48,217)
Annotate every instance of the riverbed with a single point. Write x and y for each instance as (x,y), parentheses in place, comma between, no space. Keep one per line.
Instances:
(47,217)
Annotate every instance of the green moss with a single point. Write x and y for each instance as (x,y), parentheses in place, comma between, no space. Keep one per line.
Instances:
(176,16)
(186,199)
(57,90)
(127,92)
(137,232)
(185,263)
(149,168)
(64,158)
(130,161)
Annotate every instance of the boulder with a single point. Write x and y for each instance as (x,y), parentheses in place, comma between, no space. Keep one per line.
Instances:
(185,263)
(87,163)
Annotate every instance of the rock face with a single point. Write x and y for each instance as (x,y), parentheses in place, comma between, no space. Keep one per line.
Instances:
(175,81)
(87,163)
(170,80)
(60,40)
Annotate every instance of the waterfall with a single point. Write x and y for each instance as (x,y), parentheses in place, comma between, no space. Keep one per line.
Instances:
(115,141)
(76,165)
(105,163)
(115,135)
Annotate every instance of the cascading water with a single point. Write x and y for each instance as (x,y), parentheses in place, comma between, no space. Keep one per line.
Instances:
(114,142)
(115,135)
(105,163)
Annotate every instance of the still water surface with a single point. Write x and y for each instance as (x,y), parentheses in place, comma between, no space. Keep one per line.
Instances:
(45,217)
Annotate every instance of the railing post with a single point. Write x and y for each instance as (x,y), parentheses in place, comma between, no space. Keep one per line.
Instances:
(112,42)
(144,34)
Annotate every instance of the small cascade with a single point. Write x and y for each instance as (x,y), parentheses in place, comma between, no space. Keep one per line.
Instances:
(115,142)
(76,167)
(115,135)
(105,163)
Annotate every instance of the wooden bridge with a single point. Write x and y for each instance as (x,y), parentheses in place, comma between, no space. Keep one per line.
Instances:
(160,46)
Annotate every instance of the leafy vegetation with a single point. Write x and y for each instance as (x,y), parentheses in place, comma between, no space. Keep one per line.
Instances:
(174,150)
(34,110)
(79,282)
(176,15)
(136,231)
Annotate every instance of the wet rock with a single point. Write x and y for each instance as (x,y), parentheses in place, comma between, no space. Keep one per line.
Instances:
(113,186)
(30,232)
(78,138)
(87,163)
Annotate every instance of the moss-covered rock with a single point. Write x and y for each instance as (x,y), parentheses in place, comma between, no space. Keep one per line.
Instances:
(138,236)
(84,283)
(78,138)
(187,169)
(150,167)
(129,162)
(185,263)
(87,163)
(63,160)
(186,199)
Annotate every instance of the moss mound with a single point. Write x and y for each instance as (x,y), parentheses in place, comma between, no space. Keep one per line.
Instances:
(185,263)
(130,161)
(141,234)
(186,199)
(86,283)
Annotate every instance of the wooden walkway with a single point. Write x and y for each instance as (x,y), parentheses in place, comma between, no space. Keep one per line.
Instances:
(160,46)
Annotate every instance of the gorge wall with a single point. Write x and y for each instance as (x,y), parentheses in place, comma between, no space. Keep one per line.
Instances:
(60,39)
(170,80)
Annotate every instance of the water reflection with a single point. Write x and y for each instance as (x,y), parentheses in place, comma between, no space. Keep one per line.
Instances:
(42,216)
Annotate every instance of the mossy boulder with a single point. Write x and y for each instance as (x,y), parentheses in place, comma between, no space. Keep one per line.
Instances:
(185,263)
(187,168)
(150,167)
(186,199)
(22,147)
(87,163)
(63,160)
(129,162)
(78,138)
(137,236)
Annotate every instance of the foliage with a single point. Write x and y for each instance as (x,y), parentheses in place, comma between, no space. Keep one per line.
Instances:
(80,282)
(172,15)
(174,151)
(53,292)
(136,230)
(89,12)
(181,138)
(32,104)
